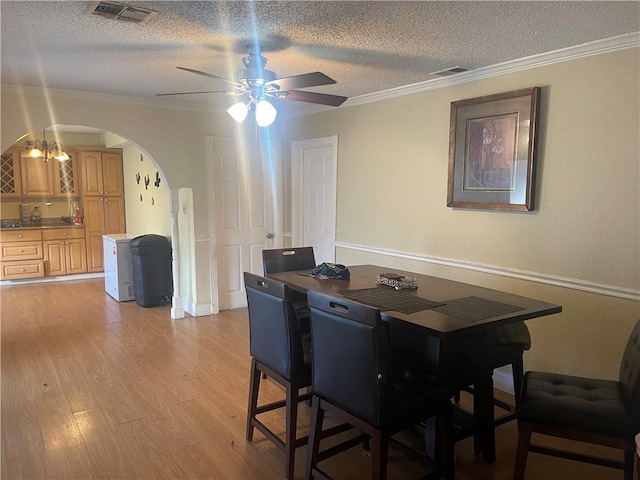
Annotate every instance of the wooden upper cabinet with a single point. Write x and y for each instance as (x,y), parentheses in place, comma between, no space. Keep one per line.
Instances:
(10,184)
(32,177)
(36,176)
(65,179)
(91,172)
(112,174)
(102,173)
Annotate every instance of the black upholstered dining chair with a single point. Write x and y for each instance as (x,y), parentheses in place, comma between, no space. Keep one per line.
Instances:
(353,380)
(278,350)
(596,411)
(287,259)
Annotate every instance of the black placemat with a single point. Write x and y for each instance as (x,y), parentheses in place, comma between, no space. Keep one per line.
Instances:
(386,298)
(473,309)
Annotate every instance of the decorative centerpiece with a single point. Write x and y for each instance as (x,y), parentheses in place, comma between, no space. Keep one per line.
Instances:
(397,281)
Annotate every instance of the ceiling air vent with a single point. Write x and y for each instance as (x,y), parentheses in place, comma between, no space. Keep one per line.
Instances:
(120,11)
(447,72)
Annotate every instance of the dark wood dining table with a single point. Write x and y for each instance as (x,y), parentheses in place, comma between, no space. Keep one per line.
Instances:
(436,322)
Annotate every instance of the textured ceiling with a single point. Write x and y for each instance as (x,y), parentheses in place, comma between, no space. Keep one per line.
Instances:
(365,46)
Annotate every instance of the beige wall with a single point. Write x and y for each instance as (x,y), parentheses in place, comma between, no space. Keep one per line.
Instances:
(392,192)
(392,178)
(147,206)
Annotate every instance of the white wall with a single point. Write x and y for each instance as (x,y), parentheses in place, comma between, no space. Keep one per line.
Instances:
(392,193)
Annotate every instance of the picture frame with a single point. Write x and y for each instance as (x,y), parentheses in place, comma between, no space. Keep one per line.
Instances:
(492,149)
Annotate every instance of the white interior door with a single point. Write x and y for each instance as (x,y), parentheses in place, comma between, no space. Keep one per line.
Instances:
(245,197)
(313,193)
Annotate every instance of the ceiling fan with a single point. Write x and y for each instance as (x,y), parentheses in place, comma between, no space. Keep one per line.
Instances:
(255,83)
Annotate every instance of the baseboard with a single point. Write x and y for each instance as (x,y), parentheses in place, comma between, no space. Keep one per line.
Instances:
(61,278)
(503,381)
(198,310)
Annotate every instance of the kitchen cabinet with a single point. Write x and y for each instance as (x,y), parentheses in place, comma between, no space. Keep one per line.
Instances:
(21,254)
(102,173)
(102,216)
(22,176)
(10,183)
(64,251)
(102,198)
(65,179)
(36,176)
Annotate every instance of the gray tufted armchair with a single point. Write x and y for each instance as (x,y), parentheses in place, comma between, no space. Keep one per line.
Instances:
(602,412)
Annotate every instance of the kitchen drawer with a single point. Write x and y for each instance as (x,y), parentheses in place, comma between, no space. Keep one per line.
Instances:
(20,251)
(8,235)
(18,270)
(62,233)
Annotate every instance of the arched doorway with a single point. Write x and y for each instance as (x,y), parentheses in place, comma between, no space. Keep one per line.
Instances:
(146,194)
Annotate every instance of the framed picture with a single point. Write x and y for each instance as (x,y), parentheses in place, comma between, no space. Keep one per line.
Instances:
(492,143)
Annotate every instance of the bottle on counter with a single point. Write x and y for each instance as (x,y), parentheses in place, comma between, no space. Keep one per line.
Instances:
(25,213)
(77,219)
(35,216)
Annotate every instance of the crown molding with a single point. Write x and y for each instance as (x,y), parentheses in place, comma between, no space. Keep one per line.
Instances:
(613,44)
(102,97)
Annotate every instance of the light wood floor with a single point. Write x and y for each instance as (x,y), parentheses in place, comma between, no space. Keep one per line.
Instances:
(93,388)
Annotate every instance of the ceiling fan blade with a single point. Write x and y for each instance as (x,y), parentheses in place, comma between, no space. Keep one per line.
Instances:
(304,80)
(189,93)
(209,75)
(314,97)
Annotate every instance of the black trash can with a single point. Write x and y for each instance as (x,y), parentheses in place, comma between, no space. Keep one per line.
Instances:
(152,280)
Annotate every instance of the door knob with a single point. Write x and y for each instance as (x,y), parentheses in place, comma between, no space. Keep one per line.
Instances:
(270,235)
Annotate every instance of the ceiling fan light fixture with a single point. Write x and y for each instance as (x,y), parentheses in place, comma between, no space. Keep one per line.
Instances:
(238,112)
(265,113)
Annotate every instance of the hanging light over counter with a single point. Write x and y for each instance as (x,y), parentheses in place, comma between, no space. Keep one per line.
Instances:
(45,150)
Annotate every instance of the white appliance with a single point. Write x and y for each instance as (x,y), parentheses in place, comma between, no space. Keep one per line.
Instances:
(118,269)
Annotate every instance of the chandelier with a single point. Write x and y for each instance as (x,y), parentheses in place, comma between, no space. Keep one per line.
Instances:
(45,150)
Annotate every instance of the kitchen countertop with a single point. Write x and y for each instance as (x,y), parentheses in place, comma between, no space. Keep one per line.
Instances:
(46,223)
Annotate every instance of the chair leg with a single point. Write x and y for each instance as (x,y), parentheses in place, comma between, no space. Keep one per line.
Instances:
(524,440)
(517,369)
(291,416)
(254,387)
(629,456)
(315,428)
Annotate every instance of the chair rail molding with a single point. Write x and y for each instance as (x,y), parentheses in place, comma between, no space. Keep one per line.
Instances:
(566,282)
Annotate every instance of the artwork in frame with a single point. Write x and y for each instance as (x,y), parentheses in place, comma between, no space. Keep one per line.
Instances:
(492,147)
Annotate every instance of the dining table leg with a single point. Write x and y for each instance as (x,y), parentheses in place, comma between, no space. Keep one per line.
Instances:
(484,416)
(431,447)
